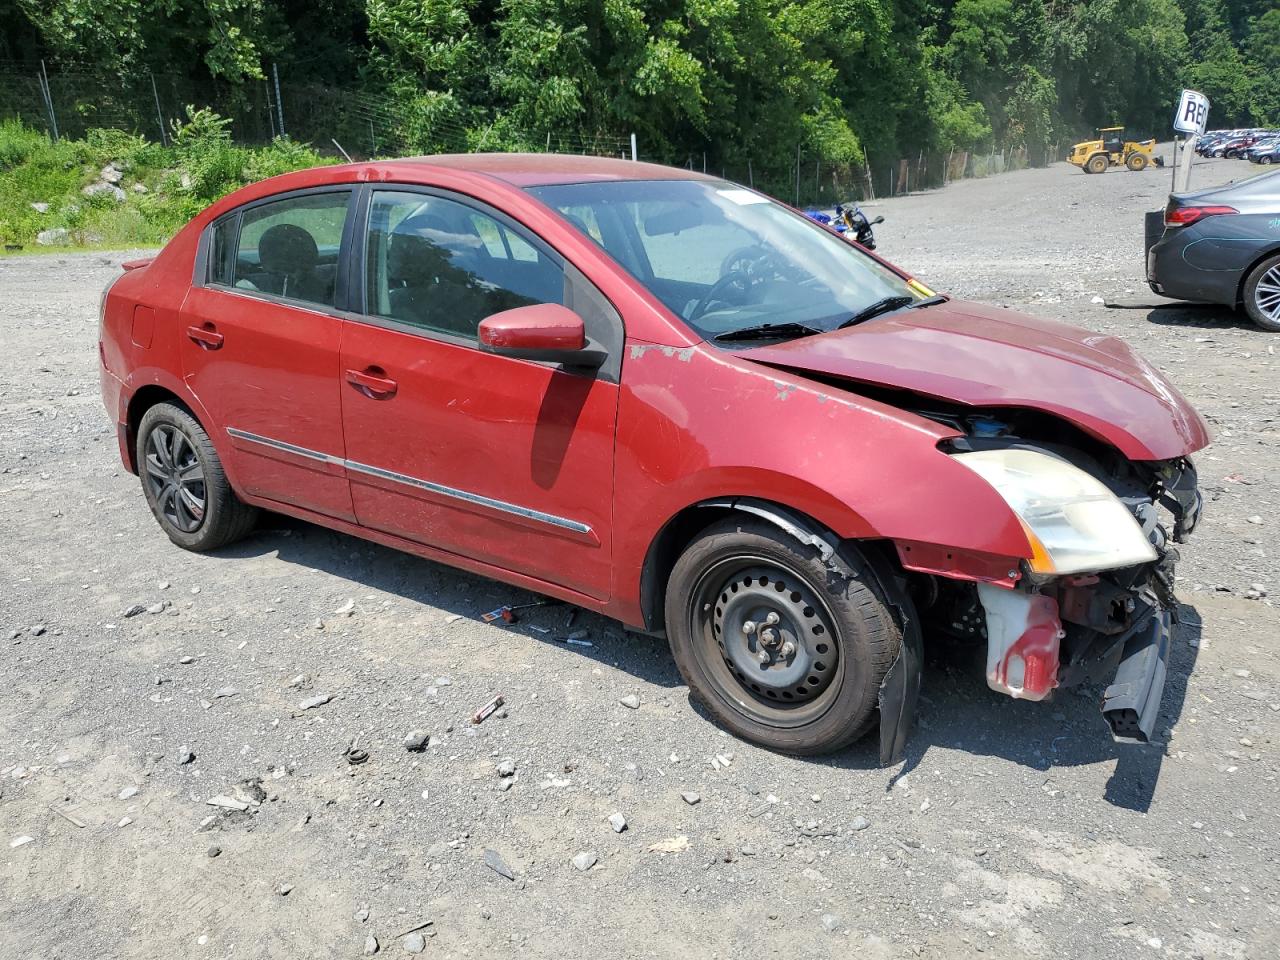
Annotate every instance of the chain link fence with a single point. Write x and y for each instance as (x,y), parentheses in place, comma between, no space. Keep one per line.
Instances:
(358,122)
(365,124)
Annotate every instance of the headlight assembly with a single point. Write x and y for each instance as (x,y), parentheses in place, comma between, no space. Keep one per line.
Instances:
(1073,522)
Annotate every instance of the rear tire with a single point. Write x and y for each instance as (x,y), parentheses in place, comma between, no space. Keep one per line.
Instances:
(1097,164)
(1262,294)
(1136,162)
(184,483)
(744,591)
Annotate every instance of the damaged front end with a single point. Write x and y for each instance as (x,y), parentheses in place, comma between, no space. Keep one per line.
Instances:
(1095,601)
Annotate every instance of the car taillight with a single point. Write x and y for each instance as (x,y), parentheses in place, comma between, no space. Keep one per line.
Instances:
(1181,216)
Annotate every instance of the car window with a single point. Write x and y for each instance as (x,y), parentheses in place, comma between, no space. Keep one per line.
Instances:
(584,218)
(222,242)
(442,265)
(724,258)
(290,247)
(691,255)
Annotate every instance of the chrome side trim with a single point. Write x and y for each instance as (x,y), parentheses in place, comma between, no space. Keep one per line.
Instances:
(452,492)
(473,498)
(287,447)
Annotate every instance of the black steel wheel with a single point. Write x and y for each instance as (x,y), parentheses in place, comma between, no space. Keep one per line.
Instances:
(785,649)
(765,639)
(184,483)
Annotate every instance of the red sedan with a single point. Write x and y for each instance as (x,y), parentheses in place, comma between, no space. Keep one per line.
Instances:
(670,399)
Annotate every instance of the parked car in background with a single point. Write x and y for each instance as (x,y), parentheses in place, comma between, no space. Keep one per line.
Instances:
(1222,245)
(1232,144)
(1266,152)
(670,399)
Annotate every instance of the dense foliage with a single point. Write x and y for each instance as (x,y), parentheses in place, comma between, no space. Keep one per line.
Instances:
(43,184)
(729,78)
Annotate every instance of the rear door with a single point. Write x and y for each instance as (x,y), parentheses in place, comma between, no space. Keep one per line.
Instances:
(261,341)
(502,460)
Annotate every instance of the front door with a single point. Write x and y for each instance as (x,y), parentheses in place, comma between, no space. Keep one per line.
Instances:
(503,460)
(260,348)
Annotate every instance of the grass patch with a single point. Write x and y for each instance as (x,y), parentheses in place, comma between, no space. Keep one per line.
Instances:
(43,201)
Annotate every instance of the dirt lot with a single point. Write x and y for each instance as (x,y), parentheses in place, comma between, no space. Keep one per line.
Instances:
(1012,830)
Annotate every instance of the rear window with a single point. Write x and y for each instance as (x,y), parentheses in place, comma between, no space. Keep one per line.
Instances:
(222,247)
(287,248)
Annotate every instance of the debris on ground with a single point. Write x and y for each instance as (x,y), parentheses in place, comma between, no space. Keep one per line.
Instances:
(416,741)
(670,845)
(493,860)
(227,803)
(487,710)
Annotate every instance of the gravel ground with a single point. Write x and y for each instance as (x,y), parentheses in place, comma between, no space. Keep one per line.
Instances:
(1012,829)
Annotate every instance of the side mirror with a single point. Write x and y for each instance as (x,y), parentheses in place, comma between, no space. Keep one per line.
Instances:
(540,331)
(877,220)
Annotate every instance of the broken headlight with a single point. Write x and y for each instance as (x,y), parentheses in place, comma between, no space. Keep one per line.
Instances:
(1073,523)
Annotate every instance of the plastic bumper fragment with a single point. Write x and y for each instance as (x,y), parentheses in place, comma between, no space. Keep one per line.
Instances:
(1132,703)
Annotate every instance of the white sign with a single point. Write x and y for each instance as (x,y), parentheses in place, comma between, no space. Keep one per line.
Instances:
(1192,114)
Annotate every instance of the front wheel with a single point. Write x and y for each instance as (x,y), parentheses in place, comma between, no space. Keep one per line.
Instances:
(785,649)
(1262,294)
(184,483)
(1137,162)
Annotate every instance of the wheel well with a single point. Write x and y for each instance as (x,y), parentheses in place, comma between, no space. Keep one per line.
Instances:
(1244,274)
(684,527)
(143,400)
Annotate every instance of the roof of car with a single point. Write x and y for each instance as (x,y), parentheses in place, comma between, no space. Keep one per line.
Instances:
(541,169)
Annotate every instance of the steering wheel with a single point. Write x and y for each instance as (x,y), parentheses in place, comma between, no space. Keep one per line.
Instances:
(753,260)
(733,278)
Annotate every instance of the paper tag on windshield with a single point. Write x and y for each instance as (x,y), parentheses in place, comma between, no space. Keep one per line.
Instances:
(742,197)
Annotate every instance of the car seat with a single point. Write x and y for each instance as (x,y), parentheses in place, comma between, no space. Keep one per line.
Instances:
(288,257)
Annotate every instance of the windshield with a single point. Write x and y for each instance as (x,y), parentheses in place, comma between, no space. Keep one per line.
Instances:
(724,258)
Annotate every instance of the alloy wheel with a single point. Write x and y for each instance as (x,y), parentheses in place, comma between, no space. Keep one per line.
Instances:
(767,639)
(1266,294)
(175,477)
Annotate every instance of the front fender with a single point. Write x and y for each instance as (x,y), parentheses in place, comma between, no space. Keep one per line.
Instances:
(698,425)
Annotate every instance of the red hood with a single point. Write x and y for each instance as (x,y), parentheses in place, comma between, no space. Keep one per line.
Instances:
(985,356)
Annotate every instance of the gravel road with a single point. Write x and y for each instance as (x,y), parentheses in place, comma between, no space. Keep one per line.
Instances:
(1012,829)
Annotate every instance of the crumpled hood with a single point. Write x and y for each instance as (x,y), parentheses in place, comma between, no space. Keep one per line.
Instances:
(984,356)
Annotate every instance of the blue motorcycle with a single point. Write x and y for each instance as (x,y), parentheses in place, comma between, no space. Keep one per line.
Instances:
(849,218)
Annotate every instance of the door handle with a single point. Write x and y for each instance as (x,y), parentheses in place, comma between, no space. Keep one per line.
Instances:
(372,383)
(206,336)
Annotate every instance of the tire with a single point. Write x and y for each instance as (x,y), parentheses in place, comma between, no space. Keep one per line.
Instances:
(1136,162)
(1262,294)
(1265,161)
(184,483)
(1097,164)
(835,614)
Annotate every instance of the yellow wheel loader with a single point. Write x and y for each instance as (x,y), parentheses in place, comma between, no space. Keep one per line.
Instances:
(1111,149)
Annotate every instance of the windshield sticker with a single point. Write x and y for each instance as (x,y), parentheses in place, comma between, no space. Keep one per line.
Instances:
(742,198)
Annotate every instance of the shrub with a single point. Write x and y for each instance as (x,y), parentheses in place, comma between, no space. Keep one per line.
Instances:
(18,143)
(201,166)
